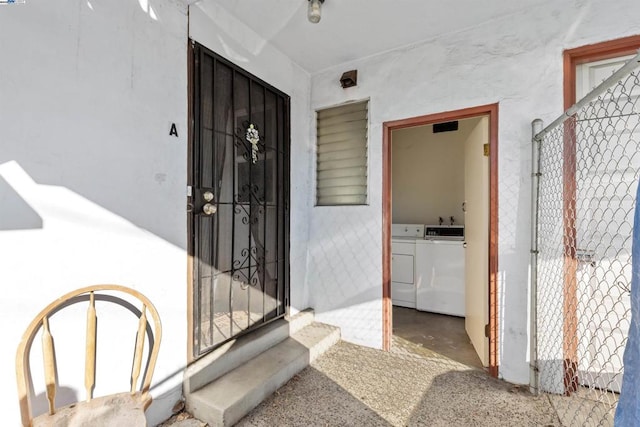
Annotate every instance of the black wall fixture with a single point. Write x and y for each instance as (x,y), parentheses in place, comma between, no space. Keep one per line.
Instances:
(445,127)
(349,79)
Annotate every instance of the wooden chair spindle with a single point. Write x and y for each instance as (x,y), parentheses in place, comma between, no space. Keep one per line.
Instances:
(49,365)
(124,408)
(137,361)
(90,350)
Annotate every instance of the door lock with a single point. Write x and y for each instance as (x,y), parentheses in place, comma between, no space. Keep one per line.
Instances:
(207,196)
(209,209)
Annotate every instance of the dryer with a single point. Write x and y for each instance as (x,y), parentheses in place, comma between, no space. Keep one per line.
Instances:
(403,263)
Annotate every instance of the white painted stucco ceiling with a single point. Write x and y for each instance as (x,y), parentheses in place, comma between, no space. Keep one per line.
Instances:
(352,29)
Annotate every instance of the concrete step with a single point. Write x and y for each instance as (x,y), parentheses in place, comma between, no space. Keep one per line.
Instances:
(300,320)
(238,351)
(231,396)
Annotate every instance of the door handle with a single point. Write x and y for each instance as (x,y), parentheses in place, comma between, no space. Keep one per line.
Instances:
(209,209)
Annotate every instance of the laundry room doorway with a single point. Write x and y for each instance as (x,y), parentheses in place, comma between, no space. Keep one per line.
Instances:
(440,234)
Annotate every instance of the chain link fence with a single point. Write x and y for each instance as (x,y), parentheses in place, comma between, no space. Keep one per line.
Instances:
(586,166)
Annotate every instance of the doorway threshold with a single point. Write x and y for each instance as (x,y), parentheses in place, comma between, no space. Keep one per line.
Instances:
(438,334)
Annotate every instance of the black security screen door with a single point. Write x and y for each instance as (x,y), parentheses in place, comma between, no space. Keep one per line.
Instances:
(239,201)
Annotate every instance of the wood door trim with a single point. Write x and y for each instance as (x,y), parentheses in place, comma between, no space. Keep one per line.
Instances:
(589,53)
(490,110)
(571,58)
(190,231)
(493,240)
(387,308)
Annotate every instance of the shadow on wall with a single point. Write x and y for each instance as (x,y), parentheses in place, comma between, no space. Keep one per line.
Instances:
(16,213)
(98,121)
(25,202)
(75,239)
(514,243)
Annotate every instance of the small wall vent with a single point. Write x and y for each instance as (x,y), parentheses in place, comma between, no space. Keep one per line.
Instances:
(445,127)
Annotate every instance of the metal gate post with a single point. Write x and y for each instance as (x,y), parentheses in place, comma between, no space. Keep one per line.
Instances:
(536,128)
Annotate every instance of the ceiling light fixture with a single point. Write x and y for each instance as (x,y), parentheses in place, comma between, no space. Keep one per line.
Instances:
(313,13)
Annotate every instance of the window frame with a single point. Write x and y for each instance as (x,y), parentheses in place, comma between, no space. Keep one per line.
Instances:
(366,101)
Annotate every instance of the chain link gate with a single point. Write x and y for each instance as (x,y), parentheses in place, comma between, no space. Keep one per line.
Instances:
(585,173)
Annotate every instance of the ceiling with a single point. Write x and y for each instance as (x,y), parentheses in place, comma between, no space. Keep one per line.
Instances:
(352,29)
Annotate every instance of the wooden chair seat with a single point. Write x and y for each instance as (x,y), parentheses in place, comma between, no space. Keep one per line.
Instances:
(115,410)
(120,409)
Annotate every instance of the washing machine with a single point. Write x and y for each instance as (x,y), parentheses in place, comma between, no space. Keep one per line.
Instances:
(439,278)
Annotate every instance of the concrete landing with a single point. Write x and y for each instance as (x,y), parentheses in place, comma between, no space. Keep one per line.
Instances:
(353,386)
(410,385)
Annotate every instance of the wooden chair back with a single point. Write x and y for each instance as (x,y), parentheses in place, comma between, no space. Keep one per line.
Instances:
(148,327)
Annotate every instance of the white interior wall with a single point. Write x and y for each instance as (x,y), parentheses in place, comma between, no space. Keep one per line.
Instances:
(428,174)
(213,27)
(515,60)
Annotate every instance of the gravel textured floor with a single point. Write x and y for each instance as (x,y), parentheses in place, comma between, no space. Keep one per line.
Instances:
(409,386)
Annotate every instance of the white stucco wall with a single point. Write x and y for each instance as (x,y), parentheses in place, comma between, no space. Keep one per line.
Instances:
(92,187)
(515,60)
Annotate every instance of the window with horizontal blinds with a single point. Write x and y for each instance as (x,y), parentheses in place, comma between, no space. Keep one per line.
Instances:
(341,172)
